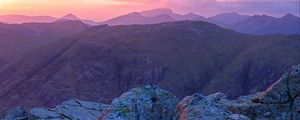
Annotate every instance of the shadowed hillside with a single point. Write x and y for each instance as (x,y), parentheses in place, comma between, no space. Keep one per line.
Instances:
(16,39)
(184,57)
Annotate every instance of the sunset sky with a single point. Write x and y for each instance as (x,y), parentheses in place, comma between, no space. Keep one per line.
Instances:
(104,9)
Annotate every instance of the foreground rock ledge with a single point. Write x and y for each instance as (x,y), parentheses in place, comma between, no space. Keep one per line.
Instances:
(281,101)
(145,103)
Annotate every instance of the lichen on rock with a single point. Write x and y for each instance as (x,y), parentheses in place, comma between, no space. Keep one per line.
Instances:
(145,103)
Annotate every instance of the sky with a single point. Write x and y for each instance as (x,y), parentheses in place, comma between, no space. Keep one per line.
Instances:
(99,10)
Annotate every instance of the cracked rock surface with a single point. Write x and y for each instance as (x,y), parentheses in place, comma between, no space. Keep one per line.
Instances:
(68,110)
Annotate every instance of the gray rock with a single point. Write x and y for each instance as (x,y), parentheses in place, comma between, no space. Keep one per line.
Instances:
(46,113)
(144,103)
(237,117)
(81,110)
(296,109)
(218,96)
(199,107)
(257,111)
(18,113)
(71,110)
(284,90)
(278,102)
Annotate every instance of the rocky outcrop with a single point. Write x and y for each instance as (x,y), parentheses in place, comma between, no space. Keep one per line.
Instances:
(144,103)
(69,110)
(18,113)
(199,107)
(278,102)
(281,101)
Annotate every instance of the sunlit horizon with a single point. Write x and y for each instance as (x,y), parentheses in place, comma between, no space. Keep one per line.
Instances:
(99,10)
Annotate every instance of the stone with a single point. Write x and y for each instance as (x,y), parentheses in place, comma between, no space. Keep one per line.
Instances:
(218,96)
(18,113)
(81,110)
(278,102)
(284,90)
(237,117)
(71,110)
(199,107)
(144,103)
(296,109)
(46,113)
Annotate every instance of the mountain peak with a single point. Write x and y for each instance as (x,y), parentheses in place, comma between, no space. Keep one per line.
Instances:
(191,14)
(134,14)
(289,15)
(155,12)
(70,17)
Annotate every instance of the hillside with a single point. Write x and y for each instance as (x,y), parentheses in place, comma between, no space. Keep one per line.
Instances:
(17,39)
(263,25)
(184,57)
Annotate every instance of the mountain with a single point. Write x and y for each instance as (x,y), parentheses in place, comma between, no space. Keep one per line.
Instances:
(184,57)
(25,19)
(261,25)
(152,17)
(256,25)
(160,11)
(70,17)
(17,39)
(137,18)
(169,12)
(19,19)
(229,18)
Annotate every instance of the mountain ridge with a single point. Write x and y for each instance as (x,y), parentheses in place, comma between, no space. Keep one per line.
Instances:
(180,56)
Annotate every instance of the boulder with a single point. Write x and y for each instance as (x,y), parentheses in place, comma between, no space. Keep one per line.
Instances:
(47,113)
(218,96)
(144,103)
(258,111)
(81,110)
(72,109)
(296,109)
(18,113)
(199,107)
(278,102)
(68,110)
(286,89)
(237,117)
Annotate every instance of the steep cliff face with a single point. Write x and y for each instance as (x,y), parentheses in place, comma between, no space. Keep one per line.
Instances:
(280,102)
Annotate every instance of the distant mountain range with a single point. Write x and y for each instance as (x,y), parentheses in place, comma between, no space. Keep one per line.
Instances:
(257,24)
(47,63)
(137,18)
(262,24)
(19,19)
(153,17)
